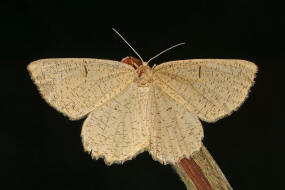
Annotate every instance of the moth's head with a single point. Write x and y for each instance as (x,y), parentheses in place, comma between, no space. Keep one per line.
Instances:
(134,62)
(144,72)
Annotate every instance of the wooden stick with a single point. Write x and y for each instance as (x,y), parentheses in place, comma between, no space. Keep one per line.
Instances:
(201,172)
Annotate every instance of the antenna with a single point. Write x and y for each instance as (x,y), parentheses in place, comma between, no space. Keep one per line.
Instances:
(165,51)
(128,44)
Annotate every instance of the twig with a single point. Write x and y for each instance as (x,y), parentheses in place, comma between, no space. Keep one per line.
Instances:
(201,172)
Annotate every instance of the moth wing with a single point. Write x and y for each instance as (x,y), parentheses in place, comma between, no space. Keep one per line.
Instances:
(116,131)
(209,88)
(76,86)
(175,133)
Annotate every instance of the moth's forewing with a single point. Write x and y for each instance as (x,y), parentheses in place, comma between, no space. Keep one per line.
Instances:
(209,88)
(76,86)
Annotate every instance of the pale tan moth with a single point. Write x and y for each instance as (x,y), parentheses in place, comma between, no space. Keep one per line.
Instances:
(130,110)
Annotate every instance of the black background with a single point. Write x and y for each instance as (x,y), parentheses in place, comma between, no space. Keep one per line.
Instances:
(41,149)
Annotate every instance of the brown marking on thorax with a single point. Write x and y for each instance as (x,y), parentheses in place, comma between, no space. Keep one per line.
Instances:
(141,72)
(144,71)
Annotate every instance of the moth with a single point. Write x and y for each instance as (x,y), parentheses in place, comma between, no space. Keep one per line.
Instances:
(133,107)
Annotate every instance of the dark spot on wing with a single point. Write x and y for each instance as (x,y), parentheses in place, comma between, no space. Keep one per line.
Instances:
(86,71)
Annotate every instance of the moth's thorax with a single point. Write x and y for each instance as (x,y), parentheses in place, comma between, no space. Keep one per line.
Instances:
(144,75)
